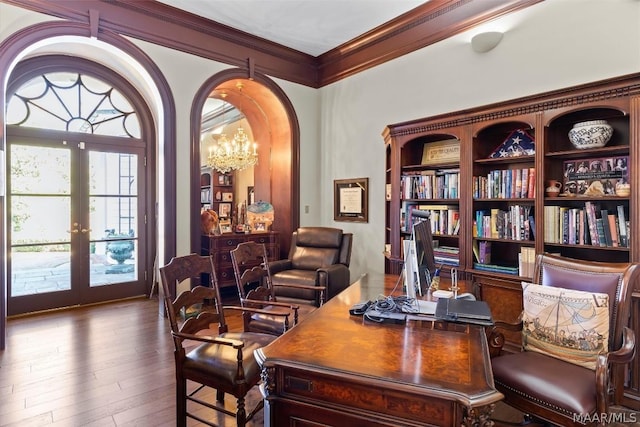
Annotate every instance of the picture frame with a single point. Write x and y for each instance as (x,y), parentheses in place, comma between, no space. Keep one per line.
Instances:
(594,176)
(224,210)
(227,197)
(351,200)
(441,152)
(225,227)
(259,227)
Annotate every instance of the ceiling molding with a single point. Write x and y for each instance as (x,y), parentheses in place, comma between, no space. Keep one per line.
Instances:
(161,24)
(427,24)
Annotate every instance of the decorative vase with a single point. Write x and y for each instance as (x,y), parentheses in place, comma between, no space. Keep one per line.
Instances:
(553,188)
(623,189)
(120,251)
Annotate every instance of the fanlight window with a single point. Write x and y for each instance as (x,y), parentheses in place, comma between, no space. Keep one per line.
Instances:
(73,102)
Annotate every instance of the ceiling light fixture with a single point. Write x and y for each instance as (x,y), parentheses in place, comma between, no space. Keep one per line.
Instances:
(237,154)
(484,42)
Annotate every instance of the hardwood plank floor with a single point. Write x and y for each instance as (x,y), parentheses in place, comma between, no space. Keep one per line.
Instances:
(104,365)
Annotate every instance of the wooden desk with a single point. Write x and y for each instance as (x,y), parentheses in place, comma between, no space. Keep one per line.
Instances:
(333,369)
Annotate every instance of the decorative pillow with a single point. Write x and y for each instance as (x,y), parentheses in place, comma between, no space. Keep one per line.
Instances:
(565,324)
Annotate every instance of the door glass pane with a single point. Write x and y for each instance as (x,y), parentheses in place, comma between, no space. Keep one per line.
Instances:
(114,218)
(40,218)
(39,269)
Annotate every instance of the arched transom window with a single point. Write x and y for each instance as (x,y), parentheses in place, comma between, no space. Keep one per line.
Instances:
(73,102)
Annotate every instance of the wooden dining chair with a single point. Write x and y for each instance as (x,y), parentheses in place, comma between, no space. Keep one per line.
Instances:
(205,352)
(253,280)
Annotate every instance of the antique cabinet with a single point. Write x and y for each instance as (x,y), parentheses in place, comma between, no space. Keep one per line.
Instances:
(220,246)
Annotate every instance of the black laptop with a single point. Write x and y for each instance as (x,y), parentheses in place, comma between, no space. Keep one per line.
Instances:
(464,311)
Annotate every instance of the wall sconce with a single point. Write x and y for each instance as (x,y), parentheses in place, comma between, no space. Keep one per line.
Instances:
(484,42)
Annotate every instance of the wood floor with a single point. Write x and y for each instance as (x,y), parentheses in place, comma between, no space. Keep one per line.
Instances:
(105,365)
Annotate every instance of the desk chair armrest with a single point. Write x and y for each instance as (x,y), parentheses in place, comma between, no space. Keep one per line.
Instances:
(209,339)
(292,307)
(623,355)
(279,265)
(259,310)
(495,337)
(285,314)
(627,350)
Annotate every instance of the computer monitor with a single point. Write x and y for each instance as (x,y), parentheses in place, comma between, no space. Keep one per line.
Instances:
(424,245)
(419,263)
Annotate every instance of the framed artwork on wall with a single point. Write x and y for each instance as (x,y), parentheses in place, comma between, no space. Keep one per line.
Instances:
(351,200)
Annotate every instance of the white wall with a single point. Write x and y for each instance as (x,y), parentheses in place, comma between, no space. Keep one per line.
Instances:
(554,44)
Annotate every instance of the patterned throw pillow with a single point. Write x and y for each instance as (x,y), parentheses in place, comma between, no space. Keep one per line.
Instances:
(566,324)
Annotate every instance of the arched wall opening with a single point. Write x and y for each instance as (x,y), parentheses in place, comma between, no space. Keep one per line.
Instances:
(275,128)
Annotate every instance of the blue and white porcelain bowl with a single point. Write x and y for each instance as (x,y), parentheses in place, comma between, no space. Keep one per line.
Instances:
(591,134)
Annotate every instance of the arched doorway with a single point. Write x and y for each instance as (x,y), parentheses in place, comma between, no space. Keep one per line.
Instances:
(73,38)
(275,128)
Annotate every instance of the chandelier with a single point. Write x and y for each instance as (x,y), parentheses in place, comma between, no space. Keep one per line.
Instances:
(237,154)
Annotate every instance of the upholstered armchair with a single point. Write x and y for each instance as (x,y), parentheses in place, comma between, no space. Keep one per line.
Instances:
(575,341)
(319,256)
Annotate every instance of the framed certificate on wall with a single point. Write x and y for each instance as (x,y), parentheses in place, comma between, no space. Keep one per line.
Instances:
(351,200)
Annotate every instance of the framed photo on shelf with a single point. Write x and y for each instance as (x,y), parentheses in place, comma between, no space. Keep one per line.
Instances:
(595,176)
(351,200)
(259,226)
(225,227)
(227,197)
(224,210)
(222,179)
(439,152)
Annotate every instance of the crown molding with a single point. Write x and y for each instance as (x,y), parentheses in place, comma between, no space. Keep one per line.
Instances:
(164,25)
(422,26)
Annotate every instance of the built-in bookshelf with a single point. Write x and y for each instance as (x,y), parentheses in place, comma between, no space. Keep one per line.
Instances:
(216,191)
(582,220)
(504,216)
(429,182)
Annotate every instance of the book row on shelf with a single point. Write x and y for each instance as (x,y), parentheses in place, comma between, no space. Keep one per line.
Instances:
(445,219)
(505,184)
(482,259)
(443,255)
(516,223)
(588,225)
(446,255)
(431,184)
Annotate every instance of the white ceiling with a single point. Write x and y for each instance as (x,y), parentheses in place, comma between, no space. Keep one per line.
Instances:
(310,26)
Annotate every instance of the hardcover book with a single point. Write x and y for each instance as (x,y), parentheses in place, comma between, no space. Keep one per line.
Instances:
(595,176)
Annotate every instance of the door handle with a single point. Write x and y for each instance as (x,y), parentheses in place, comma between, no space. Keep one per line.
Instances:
(84,230)
(75,230)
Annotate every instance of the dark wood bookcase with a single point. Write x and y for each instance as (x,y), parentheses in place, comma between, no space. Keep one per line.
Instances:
(547,117)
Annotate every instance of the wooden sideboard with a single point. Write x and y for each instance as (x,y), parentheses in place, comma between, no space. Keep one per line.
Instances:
(334,369)
(220,246)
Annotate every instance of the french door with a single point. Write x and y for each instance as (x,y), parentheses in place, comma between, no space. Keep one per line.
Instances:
(77,221)
(79,207)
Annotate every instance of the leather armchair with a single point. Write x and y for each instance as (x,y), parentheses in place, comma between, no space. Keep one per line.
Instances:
(319,256)
(552,388)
